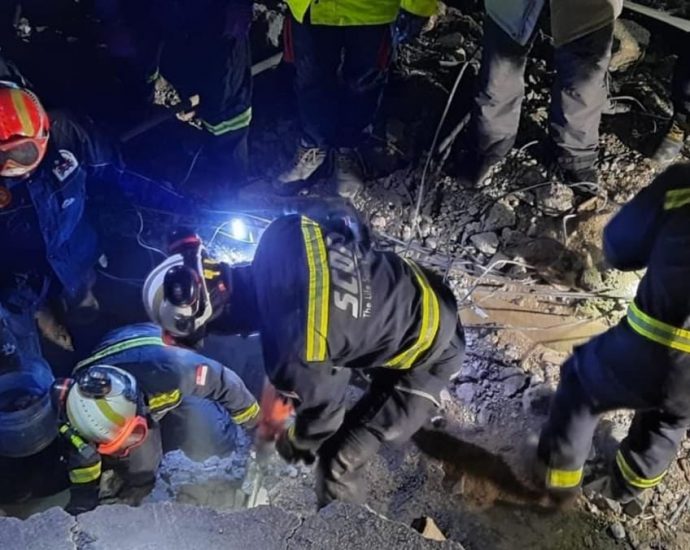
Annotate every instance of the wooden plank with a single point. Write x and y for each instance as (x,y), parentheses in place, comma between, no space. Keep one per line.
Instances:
(677,22)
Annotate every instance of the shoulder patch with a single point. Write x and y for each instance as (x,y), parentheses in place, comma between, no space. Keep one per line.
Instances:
(201,372)
(66,165)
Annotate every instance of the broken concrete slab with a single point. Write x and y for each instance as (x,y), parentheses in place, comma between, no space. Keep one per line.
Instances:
(50,530)
(167,525)
(342,526)
(161,526)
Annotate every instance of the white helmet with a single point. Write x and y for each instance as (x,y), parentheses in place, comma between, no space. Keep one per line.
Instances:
(103,405)
(176,297)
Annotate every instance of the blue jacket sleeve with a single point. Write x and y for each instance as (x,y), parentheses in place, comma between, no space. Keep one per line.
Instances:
(630,235)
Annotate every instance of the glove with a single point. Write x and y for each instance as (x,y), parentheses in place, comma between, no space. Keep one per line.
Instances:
(407,27)
(83,498)
(290,452)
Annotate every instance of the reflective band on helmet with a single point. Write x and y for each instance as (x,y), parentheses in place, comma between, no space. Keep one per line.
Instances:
(632,478)
(676,198)
(319,292)
(164,400)
(85,475)
(563,479)
(250,413)
(431,320)
(658,331)
(132,435)
(18,101)
(109,412)
(120,347)
(242,120)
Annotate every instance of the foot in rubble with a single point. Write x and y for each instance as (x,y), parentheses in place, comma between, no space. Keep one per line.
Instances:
(472,168)
(583,179)
(557,498)
(309,162)
(671,145)
(608,492)
(348,173)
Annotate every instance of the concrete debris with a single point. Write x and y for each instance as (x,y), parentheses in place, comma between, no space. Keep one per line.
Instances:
(555,199)
(164,526)
(617,531)
(500,215)
(633,40)
(487,242)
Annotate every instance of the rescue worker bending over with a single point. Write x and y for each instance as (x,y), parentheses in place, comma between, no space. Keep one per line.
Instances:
(133,389)
(644,362)
(325,303)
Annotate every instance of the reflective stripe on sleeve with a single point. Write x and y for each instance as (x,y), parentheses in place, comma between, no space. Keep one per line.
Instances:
(316,335)
(563,479)
(431,320)
(120,347)
(85,475)
(632,478)
(164,400)
(245,415)
(658,331)
(676,198)
(243,120)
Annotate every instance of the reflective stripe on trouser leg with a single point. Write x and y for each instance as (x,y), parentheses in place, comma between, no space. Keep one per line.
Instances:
(648,450)
(239,122)
(567,436)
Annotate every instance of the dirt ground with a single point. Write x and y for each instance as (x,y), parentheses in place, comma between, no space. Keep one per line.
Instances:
(522,253)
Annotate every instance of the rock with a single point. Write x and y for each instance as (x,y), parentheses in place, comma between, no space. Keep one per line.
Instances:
(555,199)
(500,215)
(536,399)
(591,279)
(51,530)
(486,243)
(513,385)
(617,531)
(466,392)
(633,39)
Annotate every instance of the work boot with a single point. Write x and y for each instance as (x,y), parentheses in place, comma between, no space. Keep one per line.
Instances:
(671,145)
(308,162)
(348,174)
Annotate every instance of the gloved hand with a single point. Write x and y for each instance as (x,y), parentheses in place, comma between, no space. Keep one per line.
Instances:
(238,18)
(290,452)
(83,498)
(407,27)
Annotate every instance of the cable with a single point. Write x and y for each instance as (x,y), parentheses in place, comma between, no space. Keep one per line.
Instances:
(432,149)
(141,241)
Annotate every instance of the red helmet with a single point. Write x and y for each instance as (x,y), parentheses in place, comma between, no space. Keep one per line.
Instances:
(24,129)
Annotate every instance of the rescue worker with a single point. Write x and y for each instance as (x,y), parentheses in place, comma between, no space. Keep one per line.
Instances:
(136,397)
(583,36)
(341,51)
(673,141)
(326,303)
(202,49)
(49,247)
(643,363)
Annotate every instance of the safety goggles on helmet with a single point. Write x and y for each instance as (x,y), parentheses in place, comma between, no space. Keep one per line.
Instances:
(24,129)
(104,405)
(176,294)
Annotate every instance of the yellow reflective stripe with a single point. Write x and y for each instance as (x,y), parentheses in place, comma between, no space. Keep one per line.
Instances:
(242,120)
(120,347)
(632,478)
(162,400)
(109,412)
(250,413)
(563,479)
(85,475)
(22,112)
(316,335)
(291,433)
(76,441)
(676,198)
(431,320)
(658,331)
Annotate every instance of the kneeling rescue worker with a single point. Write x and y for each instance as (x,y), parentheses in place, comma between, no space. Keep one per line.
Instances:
(111,409)
(643,363)
(325,303)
